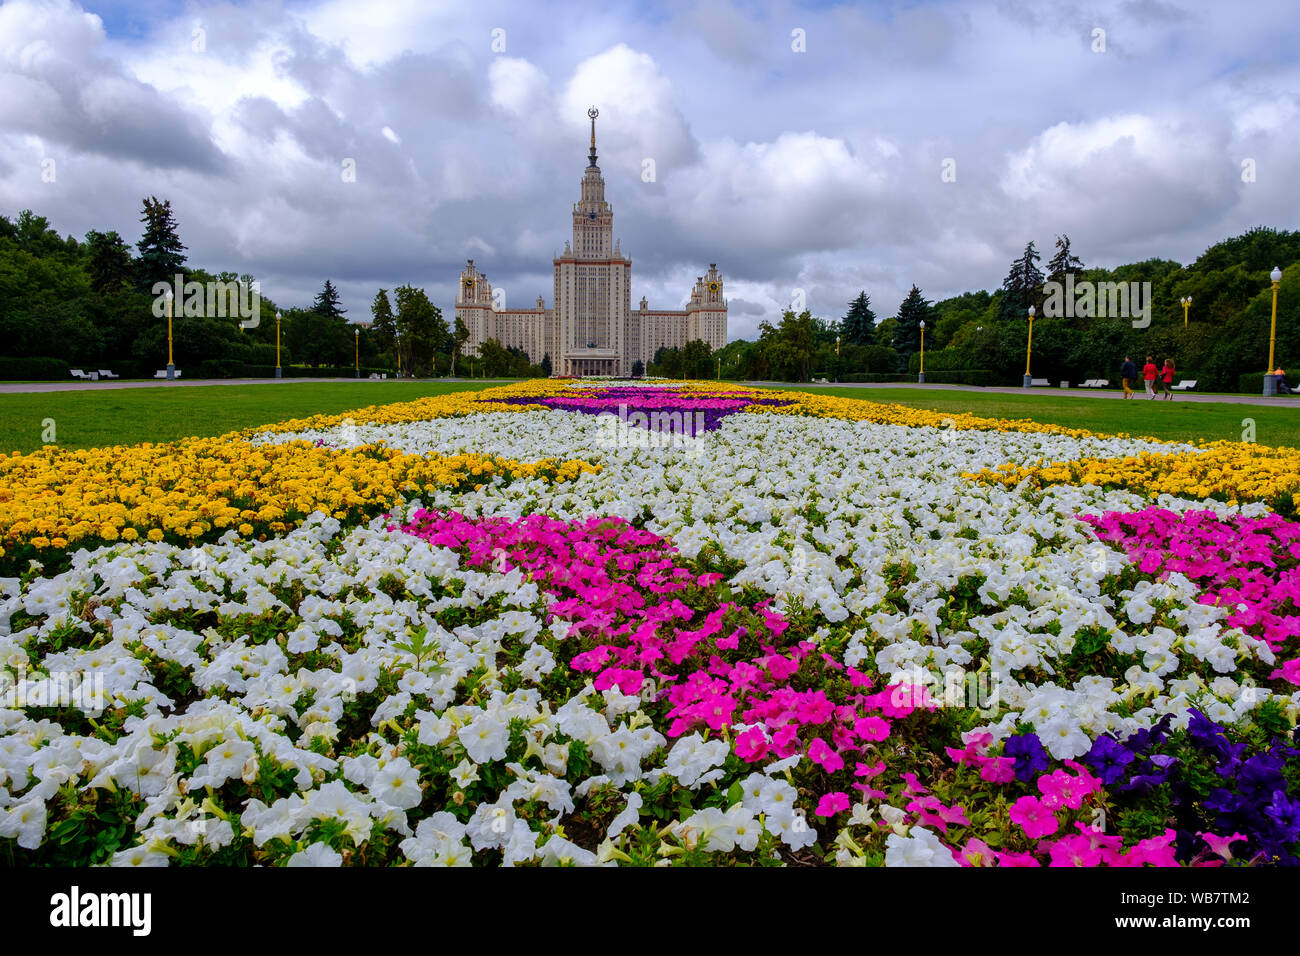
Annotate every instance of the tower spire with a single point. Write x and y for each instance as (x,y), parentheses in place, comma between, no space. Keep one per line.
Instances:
(593,113)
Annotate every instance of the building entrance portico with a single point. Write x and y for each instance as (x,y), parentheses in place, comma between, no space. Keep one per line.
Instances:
(583,362)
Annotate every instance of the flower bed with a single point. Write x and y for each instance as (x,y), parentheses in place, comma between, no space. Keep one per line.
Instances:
(808,639)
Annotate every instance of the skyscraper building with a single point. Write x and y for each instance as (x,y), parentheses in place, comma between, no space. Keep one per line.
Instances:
(591,327)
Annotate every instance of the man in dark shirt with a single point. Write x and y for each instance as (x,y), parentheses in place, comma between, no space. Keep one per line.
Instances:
(1128,372)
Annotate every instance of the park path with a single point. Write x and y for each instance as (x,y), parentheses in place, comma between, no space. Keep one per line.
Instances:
(1284,400)
(183,383)
(1292,401)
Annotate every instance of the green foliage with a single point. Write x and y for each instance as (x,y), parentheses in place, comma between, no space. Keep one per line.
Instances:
(860,322)
(161,251)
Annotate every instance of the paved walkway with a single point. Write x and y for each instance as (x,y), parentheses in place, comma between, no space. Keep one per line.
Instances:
(1292,401)
(181,383)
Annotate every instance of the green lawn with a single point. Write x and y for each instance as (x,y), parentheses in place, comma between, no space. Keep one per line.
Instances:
(1182,421)
(87,419)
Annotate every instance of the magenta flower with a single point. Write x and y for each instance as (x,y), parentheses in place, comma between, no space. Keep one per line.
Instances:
(832,803)
(751,745)
(1074,850)
(1033,817)
(1221,845)
(821,754)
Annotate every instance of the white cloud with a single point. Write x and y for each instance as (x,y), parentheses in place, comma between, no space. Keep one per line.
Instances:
(818,170)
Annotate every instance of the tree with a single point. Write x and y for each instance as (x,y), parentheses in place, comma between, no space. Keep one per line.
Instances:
(382,325)
(1020,289)
(638,367)
(110,262)
(907,332)
(327,302)
(788,348)
(421,329)
(548,369)
(697,359)
(1064,261)
(497,360)
(459,338)
(860,322)
(161,251)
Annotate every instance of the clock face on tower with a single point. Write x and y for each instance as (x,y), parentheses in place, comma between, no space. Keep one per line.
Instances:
(591,216)
(713,287)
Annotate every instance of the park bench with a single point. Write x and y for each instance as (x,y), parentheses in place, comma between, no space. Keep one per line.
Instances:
(1040,383)
(85,376)
(1184,385)
(162,373)
(107,373)
(1095,383)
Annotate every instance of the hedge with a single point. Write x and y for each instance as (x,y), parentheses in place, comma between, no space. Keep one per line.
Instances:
(35,369)
(877,377)
(300,371)
(982,377)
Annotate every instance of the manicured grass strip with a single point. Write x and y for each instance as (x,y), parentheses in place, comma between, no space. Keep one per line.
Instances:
(1173,421)
(92,419)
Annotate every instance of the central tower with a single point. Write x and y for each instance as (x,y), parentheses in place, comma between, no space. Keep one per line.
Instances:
(592,298)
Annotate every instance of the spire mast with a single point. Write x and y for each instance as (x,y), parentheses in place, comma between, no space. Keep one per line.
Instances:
(593,113)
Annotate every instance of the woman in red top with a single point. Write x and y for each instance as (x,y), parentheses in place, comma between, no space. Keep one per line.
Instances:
(1167,379)
(1149,377)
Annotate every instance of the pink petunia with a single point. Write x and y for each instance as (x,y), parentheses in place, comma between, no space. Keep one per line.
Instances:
(821,754)
(1074,850)
(1221,845)
(1033,817)
(832,803)
(998,770)
(871,728)
(751,745)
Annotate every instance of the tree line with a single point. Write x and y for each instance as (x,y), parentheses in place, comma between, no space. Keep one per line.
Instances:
(980,337)
(92,303)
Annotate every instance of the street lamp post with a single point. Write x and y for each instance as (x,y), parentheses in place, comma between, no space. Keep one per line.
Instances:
(719,368)
(356,333)
(1029,347)
(1270,380)
(920,378)
(278,373)
(171,366)
(1186,302)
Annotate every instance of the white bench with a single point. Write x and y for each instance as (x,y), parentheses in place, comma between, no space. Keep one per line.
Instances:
(1095,383)
(162,373)
(106,373)
(1184,385)
(1040,383)
(85,376)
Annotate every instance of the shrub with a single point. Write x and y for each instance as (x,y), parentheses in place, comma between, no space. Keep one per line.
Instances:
(35,369)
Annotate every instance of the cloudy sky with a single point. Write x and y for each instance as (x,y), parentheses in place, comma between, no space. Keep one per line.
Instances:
(800,146)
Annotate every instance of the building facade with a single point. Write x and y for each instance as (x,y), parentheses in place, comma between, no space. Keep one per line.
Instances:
(591,329)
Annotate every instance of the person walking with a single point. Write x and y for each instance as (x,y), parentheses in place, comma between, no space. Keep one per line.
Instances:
(1128,373)
(1282,387)
(1167,380)
(1149,377)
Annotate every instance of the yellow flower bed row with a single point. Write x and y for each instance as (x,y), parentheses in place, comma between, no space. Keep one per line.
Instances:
(1233,471)
(425,409)
(184,490)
